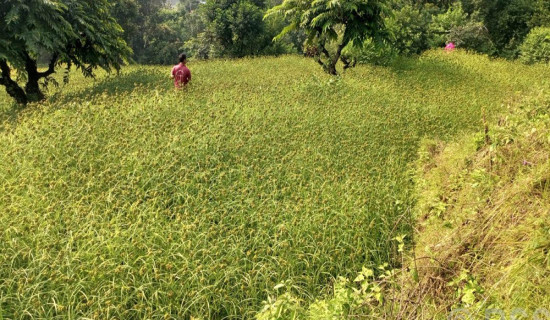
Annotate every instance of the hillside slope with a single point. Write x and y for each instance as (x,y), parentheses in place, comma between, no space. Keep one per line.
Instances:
(123,198)
(484,214)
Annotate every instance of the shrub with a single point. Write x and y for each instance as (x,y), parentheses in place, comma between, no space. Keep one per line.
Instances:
(370,53)
(457,26)
(536,47)
(409,28)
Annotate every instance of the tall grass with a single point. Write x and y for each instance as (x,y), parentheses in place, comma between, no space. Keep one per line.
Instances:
(122,198)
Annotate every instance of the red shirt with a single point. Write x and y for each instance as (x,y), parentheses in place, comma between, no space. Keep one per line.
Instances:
(181,75)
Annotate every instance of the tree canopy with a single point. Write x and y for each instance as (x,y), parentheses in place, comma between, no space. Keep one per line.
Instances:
(80,33)
(337,22)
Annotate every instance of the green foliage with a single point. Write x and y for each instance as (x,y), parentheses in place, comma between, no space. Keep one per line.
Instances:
(536,47)
(122,198)
(467,290)
(541,15)
(336,23)
(416,27)
(458,27)
(409,27)
(79,33)
(236,26)
(371,53)
(507,22)
(490,245)
(155,32)
(366,295)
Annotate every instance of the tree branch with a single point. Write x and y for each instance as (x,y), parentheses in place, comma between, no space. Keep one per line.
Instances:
(12,88)
(5,75)
(51,67)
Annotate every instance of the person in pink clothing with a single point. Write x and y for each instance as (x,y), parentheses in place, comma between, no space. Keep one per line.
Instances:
(450,47)
(180,73)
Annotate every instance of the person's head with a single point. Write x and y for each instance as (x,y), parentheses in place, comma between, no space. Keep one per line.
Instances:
(183,58)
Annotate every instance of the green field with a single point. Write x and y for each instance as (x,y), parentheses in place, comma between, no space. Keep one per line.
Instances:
(121,198)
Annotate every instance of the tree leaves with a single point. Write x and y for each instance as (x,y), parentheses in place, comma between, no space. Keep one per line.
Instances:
(333,22)
(79,32)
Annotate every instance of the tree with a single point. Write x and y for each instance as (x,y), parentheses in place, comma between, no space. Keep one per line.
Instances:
(127,14)
(75,32)
(508,21)
(151,28)
(236,26)
(331,25)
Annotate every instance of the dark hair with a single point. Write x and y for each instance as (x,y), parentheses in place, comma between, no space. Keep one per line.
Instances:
(183,57)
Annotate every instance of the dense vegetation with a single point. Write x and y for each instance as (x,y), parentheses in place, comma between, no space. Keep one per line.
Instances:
(235,28)
(265,177)
(482,235)
(123,198)
(484,212)
(92,34)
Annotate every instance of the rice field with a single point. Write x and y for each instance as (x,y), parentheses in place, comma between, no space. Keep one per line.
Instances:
(121,198)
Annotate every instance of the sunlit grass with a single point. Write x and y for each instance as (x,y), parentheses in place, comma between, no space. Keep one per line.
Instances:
(122,198)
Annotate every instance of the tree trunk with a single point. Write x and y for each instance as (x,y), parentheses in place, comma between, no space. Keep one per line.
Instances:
(334,60)
(331,68)
(32,88)
(32,92)
(13,89)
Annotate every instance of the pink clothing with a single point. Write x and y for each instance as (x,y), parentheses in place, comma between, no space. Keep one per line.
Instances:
(450,47)
(181,75)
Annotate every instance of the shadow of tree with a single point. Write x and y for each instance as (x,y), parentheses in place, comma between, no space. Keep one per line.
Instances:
(118,84)
(122,83)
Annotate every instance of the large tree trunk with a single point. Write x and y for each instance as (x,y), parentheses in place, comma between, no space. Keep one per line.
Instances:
(13,89)
(32,88)
(330,64)
(32,92)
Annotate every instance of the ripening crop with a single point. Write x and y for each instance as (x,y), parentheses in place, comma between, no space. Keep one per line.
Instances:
(122,198)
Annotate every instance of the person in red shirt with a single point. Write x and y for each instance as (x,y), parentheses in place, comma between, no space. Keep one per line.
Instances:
(180,73)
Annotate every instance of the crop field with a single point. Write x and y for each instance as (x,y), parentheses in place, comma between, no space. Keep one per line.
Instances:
(122,198)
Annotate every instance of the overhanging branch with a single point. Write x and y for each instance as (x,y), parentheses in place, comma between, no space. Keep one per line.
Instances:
(51,67)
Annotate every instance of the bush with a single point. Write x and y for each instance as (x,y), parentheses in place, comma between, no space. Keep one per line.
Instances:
(370,52)
(457,26)
(536,47)
(409,28)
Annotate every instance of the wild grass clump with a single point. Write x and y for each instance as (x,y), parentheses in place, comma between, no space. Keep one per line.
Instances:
(121,198)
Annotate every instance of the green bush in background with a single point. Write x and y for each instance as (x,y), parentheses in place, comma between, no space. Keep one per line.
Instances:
(536,47)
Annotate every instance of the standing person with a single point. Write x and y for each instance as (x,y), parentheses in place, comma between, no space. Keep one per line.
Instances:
(180,73)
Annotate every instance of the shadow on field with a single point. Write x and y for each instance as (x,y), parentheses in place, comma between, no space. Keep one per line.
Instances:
(80,90)
(117,84)
(9,115)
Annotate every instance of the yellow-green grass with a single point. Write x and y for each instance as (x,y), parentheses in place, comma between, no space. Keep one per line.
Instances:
(122,198)
(484,212)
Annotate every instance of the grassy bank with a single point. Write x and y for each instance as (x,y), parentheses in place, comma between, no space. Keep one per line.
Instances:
(484,213)
(121,198)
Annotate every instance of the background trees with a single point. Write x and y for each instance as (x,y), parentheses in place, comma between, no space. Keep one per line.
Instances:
(88,33)
(71,32)
(157,29)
